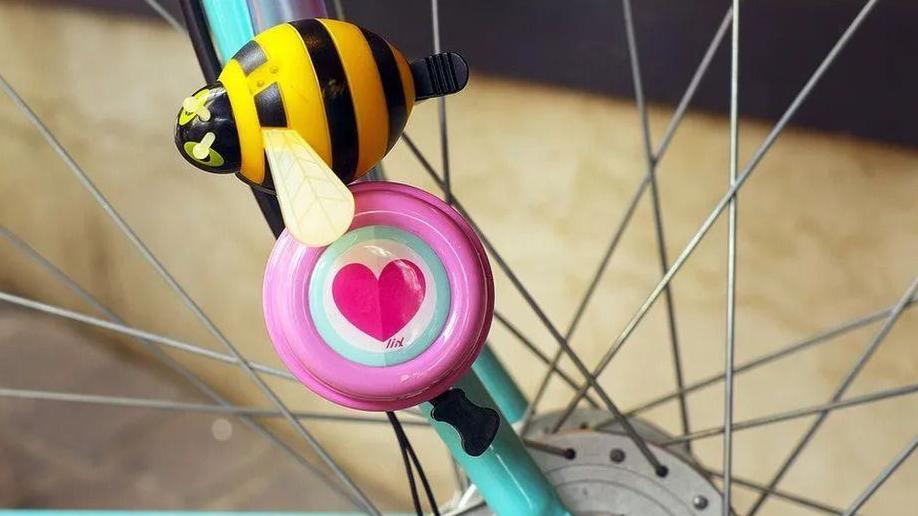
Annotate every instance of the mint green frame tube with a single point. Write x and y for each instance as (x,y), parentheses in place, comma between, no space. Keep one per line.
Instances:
(492,373)
(230,25)
(505,474)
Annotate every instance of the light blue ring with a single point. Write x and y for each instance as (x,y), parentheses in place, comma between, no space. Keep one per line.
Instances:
(386,357)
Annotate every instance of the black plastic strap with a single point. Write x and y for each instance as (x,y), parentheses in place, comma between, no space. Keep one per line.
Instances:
(438,75)
(477,426)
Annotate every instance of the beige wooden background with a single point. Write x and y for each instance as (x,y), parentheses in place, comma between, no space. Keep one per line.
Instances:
(828,232)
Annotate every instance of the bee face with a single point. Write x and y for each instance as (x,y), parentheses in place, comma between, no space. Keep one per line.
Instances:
(205,132)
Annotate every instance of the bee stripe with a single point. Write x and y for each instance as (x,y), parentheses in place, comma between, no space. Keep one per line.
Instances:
(268,183)
(391,83)
(404,71)
(366,91)
(291,69)
(339,107)
(251,56)
(246,116)
(270,106)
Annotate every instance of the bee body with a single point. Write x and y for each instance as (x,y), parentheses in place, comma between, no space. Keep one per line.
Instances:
(305,108)
(343,88)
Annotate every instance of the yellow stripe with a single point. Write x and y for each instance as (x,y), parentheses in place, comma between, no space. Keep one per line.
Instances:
(250,144)
(407,79)
(289,65)
(366,92)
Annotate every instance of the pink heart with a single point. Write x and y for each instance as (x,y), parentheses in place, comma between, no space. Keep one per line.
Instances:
(379,307)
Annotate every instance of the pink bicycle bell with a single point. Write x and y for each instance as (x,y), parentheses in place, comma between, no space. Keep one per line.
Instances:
(389,315)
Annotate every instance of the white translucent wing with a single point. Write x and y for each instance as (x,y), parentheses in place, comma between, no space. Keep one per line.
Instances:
(317,207)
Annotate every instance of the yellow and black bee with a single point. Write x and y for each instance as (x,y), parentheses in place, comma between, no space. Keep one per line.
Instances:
(305,108)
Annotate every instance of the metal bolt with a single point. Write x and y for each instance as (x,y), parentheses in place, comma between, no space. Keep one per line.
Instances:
(700,502)
(617,455)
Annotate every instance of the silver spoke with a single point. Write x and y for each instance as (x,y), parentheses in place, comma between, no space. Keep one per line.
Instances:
(655,203)
(730,344)
(567,453)
(167,16)
(719,207)
(538,353)
(562,342)
(138,244)
(770,357)
(884,475)
(790,497)
(195,381)
(822,410)
(139,334)
(178,406)
(839,391)
(675,121)
(441,106)
(461,483)
(466,510)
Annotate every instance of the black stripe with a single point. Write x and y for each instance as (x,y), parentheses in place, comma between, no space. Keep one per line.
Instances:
(391,83)
(339,107)
(250,57)
(270,107)
(263,187)
(268,182)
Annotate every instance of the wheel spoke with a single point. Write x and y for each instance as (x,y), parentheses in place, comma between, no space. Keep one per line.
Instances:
(730,344)
(820,338)
(473,508)
(651,164)
(822,410)
(535,351)
(178,406)
(883,477)
(790,497)
(139,334)
(196,310)
(339,10)
(441,106)
(562,342)
(839,391)
(167,16)
(195,381)
(721,205)
(567,453)
(674,123)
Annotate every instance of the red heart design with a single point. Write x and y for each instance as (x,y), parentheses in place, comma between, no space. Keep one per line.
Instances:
(379,307)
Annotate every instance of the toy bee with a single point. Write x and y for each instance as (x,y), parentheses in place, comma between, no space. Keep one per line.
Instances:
(305,108)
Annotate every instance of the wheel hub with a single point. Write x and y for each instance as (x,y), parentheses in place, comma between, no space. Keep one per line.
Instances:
(608,475)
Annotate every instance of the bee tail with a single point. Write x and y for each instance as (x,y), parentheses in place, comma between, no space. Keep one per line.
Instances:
(438,75)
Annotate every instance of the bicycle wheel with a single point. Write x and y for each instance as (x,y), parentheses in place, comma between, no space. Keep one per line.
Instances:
(818,289)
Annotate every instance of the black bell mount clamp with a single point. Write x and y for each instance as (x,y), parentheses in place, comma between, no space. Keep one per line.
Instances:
(438,75)
(477,426)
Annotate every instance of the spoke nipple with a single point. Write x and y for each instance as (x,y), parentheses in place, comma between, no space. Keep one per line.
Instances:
(617,455)
(662,471)
(700,502)
(570,454)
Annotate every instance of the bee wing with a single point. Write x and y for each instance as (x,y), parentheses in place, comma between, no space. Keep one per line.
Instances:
(317,207)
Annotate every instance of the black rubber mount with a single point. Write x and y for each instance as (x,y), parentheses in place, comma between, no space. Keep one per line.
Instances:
(438,75)
(477,426)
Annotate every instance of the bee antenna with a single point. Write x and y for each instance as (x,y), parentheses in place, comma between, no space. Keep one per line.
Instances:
(438,75)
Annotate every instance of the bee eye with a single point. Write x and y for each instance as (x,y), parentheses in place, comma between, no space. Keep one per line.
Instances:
(202,152)
(194,106)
